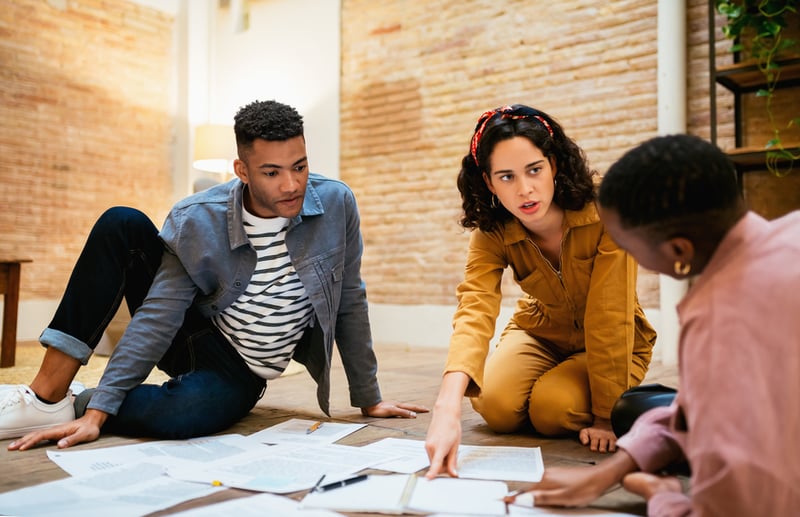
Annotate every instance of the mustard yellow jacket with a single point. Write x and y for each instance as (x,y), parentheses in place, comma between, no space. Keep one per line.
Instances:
(590,305)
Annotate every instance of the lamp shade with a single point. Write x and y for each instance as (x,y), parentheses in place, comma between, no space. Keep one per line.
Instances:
(214,148)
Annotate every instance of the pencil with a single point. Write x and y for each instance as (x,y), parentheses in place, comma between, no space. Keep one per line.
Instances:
(313,427)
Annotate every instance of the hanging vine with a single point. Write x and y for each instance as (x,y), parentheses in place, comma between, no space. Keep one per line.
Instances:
(761,24)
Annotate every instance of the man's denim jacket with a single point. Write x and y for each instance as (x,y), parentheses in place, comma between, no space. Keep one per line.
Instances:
(208,262)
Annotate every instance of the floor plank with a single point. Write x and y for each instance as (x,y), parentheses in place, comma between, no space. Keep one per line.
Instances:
(406,374)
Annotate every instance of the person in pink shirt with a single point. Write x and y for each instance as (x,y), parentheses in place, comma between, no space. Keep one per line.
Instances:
(674,204)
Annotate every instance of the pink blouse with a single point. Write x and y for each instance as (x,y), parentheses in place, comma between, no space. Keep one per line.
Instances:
(737,414)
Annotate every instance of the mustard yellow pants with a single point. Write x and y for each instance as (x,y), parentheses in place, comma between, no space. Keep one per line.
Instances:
(525,379)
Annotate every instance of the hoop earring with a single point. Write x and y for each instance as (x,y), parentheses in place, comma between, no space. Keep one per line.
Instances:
(494,201)
(682,269)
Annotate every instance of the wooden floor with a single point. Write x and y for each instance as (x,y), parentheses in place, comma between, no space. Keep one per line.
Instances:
(405,374)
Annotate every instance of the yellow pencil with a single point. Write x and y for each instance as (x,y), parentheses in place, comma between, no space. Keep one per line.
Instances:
(314,427)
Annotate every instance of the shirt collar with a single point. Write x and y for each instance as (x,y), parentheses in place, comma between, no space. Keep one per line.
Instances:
(514,231)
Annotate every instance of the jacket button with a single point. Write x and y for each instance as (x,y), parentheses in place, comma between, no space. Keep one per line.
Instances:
(213,307)
(237,284)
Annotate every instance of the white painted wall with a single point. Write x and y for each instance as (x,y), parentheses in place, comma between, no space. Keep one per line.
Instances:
(290,53)
(430,325)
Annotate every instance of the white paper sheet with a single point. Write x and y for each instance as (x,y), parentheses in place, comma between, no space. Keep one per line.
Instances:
(132,490)
(410,455)
(197,451)
(571,512)
(283,468)
(506,463)
(398,493)
(474,461)
(295,430)
(260,505)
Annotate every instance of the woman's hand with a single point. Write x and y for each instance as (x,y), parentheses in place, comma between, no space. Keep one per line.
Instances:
(579,486)
(444,431)
(441,443)
(600,436)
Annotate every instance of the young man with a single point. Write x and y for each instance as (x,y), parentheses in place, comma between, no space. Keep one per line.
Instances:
(242,278)
(674,204)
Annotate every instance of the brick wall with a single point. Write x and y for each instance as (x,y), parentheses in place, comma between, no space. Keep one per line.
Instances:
(416,75)
(84,120)
(84,125)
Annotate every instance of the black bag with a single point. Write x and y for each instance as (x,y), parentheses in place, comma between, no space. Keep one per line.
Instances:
(636,401)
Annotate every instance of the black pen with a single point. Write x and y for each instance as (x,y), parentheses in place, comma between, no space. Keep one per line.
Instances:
(316,485)
(344,482)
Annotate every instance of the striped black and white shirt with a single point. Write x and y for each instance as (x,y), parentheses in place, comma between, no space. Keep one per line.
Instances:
(265,323)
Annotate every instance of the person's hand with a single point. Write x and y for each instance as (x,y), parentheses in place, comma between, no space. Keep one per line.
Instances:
(444,431)
(386,409)
(647,485)
(441,444)
(579,486)
(84,429)
(600,436)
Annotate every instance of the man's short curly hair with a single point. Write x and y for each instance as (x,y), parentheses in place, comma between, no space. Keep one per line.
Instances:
(268,120)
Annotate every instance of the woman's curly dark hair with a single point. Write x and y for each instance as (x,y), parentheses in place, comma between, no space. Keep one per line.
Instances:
(575,184)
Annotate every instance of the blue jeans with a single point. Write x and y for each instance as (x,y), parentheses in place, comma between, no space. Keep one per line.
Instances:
(211,386)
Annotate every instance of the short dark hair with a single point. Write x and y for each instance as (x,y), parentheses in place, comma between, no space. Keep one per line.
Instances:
(574,186)
(268,120)
(673,185)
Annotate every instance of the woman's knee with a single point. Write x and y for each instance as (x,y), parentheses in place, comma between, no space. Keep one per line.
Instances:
(556,412)
(501,414)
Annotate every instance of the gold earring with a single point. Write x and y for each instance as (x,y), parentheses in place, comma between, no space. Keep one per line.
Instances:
(682,269)
(494,201)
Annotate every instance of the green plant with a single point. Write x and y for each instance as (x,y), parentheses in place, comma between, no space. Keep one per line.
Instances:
(756,27)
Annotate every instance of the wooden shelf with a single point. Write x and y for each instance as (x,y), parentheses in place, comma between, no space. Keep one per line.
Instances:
(746,77)
(754,158)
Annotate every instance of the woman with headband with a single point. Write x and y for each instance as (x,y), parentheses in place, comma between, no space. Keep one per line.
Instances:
(578,338)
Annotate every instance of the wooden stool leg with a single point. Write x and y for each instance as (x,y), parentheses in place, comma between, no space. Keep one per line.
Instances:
(8,345)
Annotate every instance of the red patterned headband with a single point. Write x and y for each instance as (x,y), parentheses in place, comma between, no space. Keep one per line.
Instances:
(505,112)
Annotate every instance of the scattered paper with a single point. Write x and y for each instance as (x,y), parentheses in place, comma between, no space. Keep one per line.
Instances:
(257,506)
(506,463)
(282,468)
(571,512)
(196,451)
(410,455)
(131,490)
(397,494)
(297,430)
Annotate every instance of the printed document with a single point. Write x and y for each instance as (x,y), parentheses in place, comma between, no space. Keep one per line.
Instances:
(195,451)
(398,493)
(282,468)
(305,431)
(128,491)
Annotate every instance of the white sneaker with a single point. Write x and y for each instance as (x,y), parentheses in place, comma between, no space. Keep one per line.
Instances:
(21,412)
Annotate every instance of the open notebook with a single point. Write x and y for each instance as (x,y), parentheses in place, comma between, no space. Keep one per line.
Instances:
(400,493)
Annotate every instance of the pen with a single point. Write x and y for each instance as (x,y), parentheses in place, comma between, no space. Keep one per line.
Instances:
(317,484)
(509,497)
(313,427)
(344,482)
(521,497)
